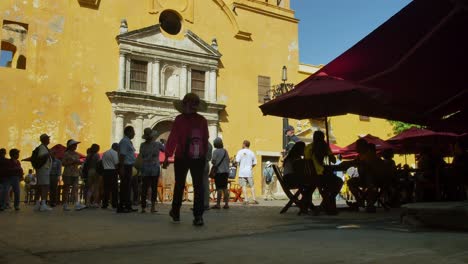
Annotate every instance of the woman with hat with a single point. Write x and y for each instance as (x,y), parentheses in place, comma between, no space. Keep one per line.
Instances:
(150,167)
(71,174)
(189,140)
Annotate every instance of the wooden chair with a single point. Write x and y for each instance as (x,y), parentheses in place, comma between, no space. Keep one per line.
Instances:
(235,189)
(293,197)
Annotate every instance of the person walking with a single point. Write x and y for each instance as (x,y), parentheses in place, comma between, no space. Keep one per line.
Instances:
(71,175)
(247,161)
(110,162)
(220,159)
(150,167)
(43,174)
(126,163)
(189,139)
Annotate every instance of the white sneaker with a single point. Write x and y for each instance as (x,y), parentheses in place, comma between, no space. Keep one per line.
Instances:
(79,207)
(45,208)
(66,208)
(37,206)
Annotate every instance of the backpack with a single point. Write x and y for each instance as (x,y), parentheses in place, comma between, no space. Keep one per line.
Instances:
(268,173)
(194,147)
(36,161)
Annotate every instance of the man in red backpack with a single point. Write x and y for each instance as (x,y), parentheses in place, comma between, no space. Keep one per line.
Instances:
(189,140)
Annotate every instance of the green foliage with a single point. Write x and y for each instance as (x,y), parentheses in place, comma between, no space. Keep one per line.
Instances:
(399,126)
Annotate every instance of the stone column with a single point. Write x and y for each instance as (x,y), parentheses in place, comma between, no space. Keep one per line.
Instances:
(183,81)
(127,73)
(138,132)
(121,72)
(119,127)
(149,78)
(207,86)
(189,80)
(212,92)
(213,130)
(156,81)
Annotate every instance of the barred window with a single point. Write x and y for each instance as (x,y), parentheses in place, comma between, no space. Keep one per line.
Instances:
(138,75)
(198,83)
(264,85)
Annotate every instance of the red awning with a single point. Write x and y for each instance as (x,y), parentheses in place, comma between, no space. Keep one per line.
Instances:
(418,59)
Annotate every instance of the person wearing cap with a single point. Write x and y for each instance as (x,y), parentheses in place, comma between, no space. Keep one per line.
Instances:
(71,174)
(269,174)
(291,139)
(43,175)
(150,167)
(126,163)
(189,140)
(110,162)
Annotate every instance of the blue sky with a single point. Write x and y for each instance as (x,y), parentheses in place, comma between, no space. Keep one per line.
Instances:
(327,28)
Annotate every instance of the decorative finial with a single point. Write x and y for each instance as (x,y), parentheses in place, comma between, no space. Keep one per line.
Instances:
(214,44)
(123,26)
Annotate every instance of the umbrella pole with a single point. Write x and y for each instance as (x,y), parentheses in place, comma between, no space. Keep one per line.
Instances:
(326,131)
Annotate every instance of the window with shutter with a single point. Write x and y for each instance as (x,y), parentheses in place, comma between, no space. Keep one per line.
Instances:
(138,75)
(198,83)
(264,85)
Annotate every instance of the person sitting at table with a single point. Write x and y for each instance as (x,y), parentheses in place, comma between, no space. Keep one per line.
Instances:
(363,187)
(329,184)
(297,174)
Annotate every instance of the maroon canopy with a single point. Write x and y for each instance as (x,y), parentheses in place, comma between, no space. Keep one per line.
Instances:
(414,140)
(322,95)
(380,144)
(418,58)
(336,150)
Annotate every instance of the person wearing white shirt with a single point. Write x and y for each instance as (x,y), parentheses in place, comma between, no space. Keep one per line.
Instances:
(247,161)
(110,161)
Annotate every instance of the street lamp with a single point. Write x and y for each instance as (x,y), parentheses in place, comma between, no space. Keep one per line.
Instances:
(278,90)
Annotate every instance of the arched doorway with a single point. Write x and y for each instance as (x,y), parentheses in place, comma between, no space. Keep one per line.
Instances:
(167,175)
(164,129)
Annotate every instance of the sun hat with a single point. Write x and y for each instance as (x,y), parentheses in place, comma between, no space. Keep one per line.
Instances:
(149,133)
(71,142)
(196,103)
(268,163)
(44,136)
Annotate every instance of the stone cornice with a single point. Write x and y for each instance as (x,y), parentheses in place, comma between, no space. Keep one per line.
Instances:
(147,104)
(262,11)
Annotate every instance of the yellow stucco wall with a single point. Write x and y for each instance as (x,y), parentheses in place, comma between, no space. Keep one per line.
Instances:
(73,59)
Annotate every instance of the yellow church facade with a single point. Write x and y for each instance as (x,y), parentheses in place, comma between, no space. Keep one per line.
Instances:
(84,69)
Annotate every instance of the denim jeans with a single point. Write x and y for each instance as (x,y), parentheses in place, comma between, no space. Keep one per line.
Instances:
(181,168)
(5,184)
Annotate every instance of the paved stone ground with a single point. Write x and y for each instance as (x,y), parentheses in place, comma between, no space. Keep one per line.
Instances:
(241,234)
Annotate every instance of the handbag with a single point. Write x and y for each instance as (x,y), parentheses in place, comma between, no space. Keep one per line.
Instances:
(138,162)
(232,172)
(214,168)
